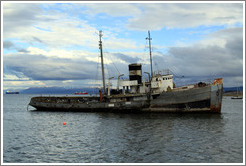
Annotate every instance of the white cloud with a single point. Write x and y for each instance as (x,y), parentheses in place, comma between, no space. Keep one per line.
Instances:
(67,81)
(114,43)
(17,17)
(113,9)
(54,29)
(11,77)
(60,53)
(208,58)
(158,16)
(53,44)
(17,85)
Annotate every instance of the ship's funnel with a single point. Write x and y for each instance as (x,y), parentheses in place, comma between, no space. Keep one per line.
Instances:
(135,72)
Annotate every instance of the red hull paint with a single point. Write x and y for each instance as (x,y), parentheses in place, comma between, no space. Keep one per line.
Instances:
(79,93)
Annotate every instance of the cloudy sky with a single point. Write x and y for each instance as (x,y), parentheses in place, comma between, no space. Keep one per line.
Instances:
(56,44)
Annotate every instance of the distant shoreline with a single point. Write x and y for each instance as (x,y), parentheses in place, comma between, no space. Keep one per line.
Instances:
(233,93)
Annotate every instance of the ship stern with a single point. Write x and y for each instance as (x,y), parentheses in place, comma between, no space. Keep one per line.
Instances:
(216,95)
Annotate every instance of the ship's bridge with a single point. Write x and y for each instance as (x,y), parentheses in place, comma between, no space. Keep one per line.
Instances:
(161,83)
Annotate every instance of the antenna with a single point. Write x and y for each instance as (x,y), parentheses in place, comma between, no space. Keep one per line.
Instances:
(148,38)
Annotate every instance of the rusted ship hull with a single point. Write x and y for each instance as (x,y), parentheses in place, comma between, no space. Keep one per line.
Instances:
(205,99)
(197,99)
(87,106)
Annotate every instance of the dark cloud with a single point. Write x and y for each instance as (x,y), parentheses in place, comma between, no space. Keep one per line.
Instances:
(126,58)
(22,50)
(16,75)
(21,15)
(8,44)
(18,16)
(40,67)
(207,61)
(184,15)
(37,40)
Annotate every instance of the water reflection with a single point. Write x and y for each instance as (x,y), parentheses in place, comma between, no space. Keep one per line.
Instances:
(159,137)
(32,136)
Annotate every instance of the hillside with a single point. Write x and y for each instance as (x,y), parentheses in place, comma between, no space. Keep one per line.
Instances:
(62,90)
(56,90)
(232,91)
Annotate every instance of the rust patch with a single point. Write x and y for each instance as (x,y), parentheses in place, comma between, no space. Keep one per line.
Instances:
(213,108)
(101,96)
(218,81)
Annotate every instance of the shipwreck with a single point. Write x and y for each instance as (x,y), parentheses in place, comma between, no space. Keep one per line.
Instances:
(157,94)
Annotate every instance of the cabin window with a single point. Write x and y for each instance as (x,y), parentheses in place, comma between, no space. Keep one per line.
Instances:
(163,79)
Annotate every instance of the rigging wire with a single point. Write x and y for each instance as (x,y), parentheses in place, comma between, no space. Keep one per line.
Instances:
(107,72)
(146,55)
(172,69)
(112,61)
(96,82)
(106,51)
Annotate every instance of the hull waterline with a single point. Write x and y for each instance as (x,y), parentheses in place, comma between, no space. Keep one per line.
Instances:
(200,99)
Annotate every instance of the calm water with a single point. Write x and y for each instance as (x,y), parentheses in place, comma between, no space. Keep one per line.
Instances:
(41,137)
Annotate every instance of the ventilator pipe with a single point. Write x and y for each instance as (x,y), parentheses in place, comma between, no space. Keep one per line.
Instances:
(144,83)
(148,74)
(118,86)
(109,85)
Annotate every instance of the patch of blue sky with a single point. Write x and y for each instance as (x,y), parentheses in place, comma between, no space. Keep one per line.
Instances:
(24,45)
(12,39)
(39,45)
(165,38)
(105,22)
(20,46)
(43,29)
(71,10)
(190,35)
(9,51)
(138,38)
(177,37)
(54,7)
(17,45)
(238,24)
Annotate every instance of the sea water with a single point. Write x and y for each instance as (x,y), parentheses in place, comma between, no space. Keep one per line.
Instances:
(41,137)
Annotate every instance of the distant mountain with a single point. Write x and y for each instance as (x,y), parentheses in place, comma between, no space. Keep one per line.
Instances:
(57,90)
(232,89)
(61,90)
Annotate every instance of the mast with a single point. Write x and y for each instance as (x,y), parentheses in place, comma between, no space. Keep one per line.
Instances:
(101,52)
(148,38)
